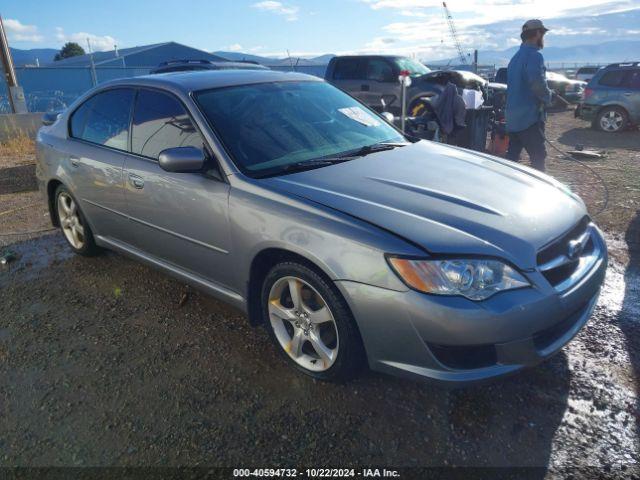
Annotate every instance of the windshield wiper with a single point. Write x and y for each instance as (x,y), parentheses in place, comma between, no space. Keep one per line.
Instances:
(333,159)
(361,152)
(376,147)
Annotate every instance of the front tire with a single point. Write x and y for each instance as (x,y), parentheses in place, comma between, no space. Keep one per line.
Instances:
(612,120)
(310,323)
(72,222)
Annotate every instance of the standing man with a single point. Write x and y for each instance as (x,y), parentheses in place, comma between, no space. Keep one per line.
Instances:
(527,97)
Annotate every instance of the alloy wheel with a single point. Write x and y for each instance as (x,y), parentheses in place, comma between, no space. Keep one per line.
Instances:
(611,121)
(303,324)
(70,220)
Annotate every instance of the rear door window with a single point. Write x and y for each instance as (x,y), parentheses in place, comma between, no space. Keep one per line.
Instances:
(348,69)
(379,70)
(104,119)
(613,78)
(160,122)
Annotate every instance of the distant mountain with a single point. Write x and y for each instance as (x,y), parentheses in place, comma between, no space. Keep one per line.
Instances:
(271,61)
(607,52)
(28,57)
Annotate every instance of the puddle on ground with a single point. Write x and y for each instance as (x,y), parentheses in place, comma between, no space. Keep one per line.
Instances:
(33,256)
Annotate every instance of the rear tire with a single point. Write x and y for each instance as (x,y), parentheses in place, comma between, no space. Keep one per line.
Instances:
(73,224)
(612,120)
(310,323)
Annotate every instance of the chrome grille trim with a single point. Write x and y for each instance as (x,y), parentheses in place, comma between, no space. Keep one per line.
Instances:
(561,260)
(584,262)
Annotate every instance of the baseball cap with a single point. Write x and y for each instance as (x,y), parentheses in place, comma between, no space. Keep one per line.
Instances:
(534,24)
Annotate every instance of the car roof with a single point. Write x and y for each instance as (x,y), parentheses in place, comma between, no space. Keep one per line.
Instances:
(368,56)
(190,81)
(206,64)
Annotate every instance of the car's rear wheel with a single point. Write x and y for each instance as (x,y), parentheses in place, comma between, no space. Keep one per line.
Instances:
(310,323)
(612,119)
(73,224)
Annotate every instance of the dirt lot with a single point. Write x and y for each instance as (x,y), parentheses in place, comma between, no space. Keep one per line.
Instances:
(100,365)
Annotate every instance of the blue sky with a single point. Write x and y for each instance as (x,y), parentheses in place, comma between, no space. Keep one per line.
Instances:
(313,27)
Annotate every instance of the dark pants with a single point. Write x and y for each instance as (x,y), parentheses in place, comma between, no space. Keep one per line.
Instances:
(532,140)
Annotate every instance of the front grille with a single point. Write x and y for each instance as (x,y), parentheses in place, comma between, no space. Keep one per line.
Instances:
(555,261)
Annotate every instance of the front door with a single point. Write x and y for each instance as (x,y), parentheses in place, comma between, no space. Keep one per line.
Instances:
(179,218)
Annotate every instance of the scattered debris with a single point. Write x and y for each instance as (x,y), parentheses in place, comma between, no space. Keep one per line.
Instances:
(184,297)
(589,154)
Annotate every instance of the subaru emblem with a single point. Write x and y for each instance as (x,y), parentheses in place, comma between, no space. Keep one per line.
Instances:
(574,249)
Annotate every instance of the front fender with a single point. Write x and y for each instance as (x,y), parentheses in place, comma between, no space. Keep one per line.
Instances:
(343,247)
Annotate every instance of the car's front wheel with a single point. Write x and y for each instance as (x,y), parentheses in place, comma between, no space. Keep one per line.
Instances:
(612,119)
(73,224)
(310,323)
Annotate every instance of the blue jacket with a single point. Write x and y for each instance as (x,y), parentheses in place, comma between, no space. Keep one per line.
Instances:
(528,93)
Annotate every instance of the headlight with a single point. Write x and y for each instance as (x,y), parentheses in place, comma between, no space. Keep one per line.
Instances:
(473,279)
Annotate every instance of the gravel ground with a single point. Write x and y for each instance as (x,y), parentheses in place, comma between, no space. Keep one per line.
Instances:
(102,364)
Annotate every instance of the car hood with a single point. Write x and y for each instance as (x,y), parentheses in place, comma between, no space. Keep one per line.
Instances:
(446,200)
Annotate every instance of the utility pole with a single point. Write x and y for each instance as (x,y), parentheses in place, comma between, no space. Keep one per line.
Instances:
(16,94)
(94,77)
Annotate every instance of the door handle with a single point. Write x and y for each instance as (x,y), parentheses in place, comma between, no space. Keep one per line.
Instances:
(75,162)
(364,88)
(627,94)
(136,181)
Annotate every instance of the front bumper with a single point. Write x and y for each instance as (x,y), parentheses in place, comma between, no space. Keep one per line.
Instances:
(455,340)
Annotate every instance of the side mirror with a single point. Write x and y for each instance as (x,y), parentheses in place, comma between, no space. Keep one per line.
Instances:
(50,118)
(388,116)
(182,159)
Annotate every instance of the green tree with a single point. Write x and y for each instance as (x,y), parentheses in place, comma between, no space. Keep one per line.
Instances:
(69,49)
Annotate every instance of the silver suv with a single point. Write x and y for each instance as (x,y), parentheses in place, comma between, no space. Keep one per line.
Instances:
(289,199)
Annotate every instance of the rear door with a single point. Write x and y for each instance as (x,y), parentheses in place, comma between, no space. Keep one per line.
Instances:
(180,218)
(349,75)
(382,81)
(99,131)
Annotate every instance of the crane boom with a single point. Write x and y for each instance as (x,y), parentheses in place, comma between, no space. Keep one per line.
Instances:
(454,33)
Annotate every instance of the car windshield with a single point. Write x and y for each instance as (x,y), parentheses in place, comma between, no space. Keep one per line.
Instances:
(270,127)
(414,67)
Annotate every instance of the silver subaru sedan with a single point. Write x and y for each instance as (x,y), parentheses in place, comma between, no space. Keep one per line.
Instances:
(351,244)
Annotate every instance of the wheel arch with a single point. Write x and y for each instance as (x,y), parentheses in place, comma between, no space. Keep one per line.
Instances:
(52,186)
(262,262)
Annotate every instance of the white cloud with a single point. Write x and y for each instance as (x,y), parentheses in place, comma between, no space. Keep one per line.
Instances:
(289,12)
(19,32)
(419,27)
(236,47)
(98,42)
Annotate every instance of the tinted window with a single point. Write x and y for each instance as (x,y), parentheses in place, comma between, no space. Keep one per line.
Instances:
(268,127)
(348,69)
(632,79)
(104,119)
(160,122)
(613,78)
(379,70)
